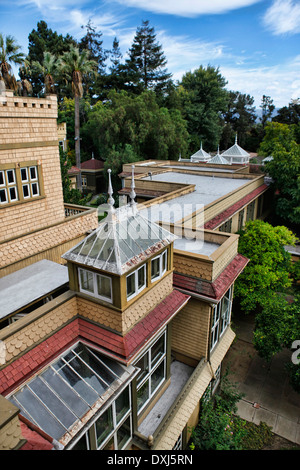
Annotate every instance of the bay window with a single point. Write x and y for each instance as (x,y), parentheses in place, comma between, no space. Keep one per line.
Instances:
(221,317)
(152,365)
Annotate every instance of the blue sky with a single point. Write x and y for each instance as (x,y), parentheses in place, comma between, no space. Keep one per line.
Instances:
(255,43)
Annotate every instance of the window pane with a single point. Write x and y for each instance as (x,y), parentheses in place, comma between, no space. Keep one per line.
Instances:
(3,196)
(87,280)
(155,268)
(122,404)
(124,433)
(56,406)
(10,174)
(104,286)
(157,350)
(143,395)
(66,392)
(26,190)
(24,174)
(141,277)
(164,261)
(35,189)
(13,193)
(110,445)
(33,173)
(81,444)
(130,280)
(89,395)
(144,366)
(104,426)
(157,376)
(2,181)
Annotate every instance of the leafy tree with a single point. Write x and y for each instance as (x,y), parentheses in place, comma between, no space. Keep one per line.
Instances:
(204,100)
(146,63)
(267,107)
(289,114)
(151,131)
(268,270)
(70,195)
(240,116)
(284,169)
(75,65)
(9,54)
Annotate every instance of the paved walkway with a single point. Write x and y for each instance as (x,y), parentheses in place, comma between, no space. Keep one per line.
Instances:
(268,396)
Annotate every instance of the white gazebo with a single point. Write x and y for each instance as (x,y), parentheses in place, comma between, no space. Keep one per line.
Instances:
(236,154)
(200,156)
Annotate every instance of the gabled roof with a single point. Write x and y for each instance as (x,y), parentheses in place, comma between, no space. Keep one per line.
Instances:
(123,239)
(235,151)
(218,159)
(200,156)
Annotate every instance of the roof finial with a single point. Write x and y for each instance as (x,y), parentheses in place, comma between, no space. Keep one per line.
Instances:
(236,138)
(111,200)
(132,193)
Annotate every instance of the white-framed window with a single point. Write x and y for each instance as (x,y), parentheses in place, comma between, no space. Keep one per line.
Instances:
(95,284)
(159,266)
(84,181)
(113,428)
(136,282)
(221,317)
(29,179)
(8,186)
(152,365)
(178,443)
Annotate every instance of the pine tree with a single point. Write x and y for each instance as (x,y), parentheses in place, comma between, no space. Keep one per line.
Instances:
(146,63)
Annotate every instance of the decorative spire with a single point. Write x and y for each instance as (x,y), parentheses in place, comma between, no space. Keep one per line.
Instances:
(236,139)
(132,193)
(111,200)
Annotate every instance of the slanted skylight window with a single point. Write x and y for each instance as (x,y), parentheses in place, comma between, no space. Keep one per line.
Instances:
(57,398)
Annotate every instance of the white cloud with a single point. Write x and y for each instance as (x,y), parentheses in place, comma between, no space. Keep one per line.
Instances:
(283,17)
(188,8)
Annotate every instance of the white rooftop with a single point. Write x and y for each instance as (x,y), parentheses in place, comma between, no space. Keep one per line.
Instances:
(207,190)
(235,151)
(197,246)
(30,284)
(200,156)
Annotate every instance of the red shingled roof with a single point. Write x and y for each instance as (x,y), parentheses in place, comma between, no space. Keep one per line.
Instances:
(122,348)
(212,290)
(92,164)
(36,438)
(126,347)
(225,215)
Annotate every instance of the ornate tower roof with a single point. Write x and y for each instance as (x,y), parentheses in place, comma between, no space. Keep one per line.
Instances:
(200,156)
(122,240)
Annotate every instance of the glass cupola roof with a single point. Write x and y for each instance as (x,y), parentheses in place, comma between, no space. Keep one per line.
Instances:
(122,240)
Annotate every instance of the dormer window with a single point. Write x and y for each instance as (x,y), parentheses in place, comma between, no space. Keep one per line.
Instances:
(95,284)
(158,266)
(136,282)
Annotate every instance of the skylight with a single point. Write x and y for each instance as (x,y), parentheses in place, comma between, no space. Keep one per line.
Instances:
(60,396)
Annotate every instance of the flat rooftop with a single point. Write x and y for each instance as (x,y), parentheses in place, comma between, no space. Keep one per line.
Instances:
(200,247)
(198,168)
(29,284)
(207,189)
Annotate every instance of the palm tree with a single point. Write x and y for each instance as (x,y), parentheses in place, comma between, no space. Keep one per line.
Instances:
(75,64)
(47,69)
(9,54)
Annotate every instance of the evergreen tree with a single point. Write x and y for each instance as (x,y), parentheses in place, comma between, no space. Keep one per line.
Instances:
(239,117)
(267,107)
(41,40)
(146,63)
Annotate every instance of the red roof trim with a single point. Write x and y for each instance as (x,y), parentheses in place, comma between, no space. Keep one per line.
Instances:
(121,348)
(212,290)
(225,215)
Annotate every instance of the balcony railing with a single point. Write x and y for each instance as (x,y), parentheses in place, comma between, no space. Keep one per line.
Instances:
(75,209)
